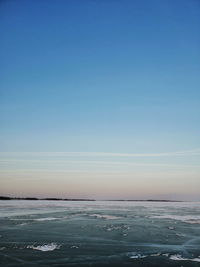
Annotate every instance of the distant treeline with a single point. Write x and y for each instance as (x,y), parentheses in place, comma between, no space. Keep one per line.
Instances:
(150,200)
(82,199)
(35,198)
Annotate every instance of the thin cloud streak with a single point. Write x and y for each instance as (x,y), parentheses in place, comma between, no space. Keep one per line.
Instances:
(194,152)
(92,162)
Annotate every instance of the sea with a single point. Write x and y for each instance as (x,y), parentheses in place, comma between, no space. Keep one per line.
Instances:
(99,233)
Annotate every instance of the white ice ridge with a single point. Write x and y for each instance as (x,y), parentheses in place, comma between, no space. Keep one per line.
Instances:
(46,219)
(107,217)
(193,219)
(46,247)
(178,257)
(138,256)
(38,219)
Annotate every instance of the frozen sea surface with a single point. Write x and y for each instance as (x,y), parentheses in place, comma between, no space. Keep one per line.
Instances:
(100,233)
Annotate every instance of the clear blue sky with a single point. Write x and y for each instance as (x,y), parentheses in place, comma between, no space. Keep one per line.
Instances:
(100,76)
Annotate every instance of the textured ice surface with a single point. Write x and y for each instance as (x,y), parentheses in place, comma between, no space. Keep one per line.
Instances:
(64,233)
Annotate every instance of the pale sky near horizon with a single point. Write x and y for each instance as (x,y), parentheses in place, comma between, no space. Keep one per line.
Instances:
(100,99)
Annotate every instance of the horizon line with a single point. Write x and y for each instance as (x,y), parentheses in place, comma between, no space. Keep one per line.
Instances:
(3,197)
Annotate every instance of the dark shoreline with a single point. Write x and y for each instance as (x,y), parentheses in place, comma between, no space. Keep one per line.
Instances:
(34,198)
(81,199)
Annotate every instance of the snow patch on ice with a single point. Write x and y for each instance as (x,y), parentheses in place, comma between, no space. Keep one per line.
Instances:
(178,257)
(22,224)
(171,228)
(165,254)
(46,247)
(155,255)
(74,247)
(46,219)
(37,219)
(107,217)
(195,219)
(138,256)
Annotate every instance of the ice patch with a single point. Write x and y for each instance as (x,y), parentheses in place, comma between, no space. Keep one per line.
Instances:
(184,218)
(181,235)
(47,247)
(74,247)
(155,255)
(193,221)
(120,227)
(178,257)
(107,217)
(37,219)
(138,256)
(165,254)
(46,219)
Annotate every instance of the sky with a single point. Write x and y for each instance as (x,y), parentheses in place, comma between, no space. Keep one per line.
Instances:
(100,99)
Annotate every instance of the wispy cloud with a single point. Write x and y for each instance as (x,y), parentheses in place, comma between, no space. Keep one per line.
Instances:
(94,162)
(193,152)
